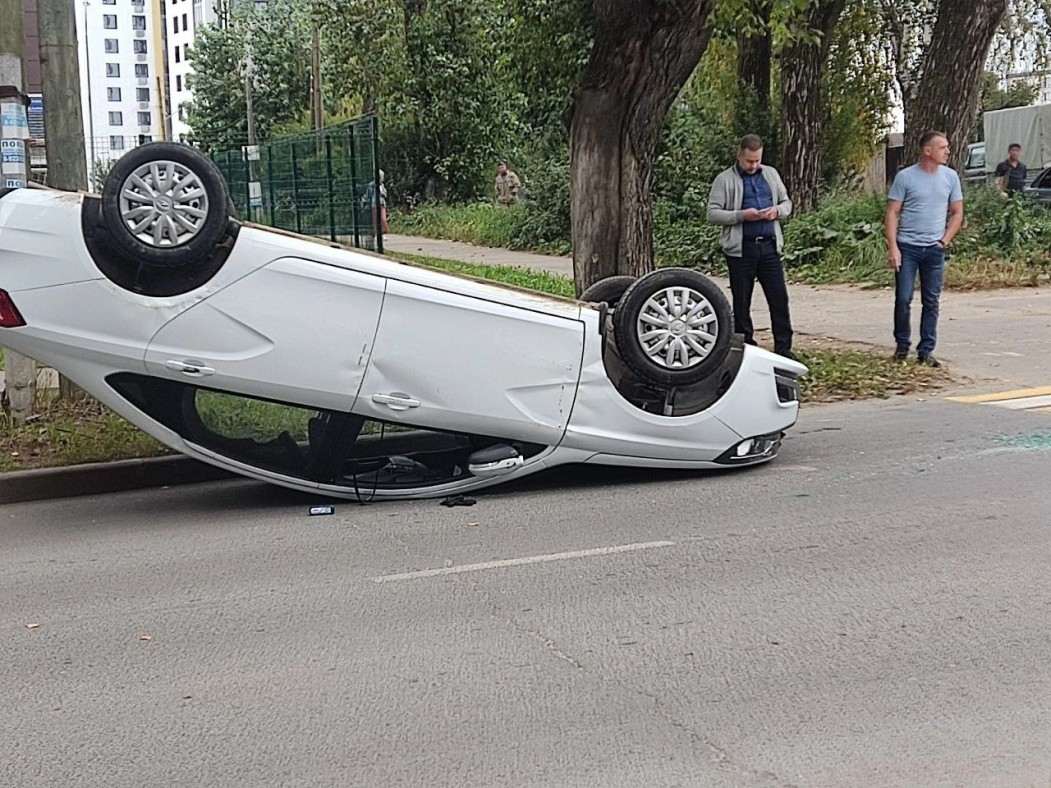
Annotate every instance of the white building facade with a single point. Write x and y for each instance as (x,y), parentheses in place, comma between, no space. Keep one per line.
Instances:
(122,76)
(1042,80)
(183,19)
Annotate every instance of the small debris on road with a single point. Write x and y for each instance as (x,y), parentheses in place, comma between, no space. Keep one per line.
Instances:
(458,500)
(322,510)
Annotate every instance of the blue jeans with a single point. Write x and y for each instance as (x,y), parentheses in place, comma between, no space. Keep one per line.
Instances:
(929,263)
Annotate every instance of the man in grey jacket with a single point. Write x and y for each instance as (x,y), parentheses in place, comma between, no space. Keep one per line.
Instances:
(748,200)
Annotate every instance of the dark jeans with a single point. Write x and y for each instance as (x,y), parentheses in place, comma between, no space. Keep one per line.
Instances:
(929,263)
(759,260)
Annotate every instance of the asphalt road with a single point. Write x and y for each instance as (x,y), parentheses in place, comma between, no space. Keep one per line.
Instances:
(874,608)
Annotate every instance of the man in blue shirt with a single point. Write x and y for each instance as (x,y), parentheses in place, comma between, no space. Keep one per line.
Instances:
(924,213)
(747,201)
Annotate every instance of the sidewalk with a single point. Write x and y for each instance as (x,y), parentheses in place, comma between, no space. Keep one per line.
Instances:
(988,339)
(991,341)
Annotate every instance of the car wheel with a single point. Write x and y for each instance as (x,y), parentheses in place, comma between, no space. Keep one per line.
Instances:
(165,204)
(673,327)
(608,290)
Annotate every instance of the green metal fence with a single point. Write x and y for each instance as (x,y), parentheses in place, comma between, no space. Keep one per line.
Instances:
(320,183)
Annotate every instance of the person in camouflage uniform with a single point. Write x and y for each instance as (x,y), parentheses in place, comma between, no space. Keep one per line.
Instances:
(507,185)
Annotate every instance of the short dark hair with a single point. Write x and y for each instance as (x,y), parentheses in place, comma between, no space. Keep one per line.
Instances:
(925,140)
(750,142)
(1014,145)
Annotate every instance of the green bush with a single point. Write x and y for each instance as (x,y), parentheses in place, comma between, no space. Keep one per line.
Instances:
(686,240)
(997,225)
(841,241)
(544,223)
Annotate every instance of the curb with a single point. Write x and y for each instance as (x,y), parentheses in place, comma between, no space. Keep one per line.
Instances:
(105,477)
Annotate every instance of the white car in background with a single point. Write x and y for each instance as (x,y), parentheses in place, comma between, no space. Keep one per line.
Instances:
(327,369)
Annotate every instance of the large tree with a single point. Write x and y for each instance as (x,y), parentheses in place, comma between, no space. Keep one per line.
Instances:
(947,94)
(642,53)
(803,64)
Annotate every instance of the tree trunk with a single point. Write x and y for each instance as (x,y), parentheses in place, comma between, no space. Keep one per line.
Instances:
(643,53)
(947,96)
(754,63)
(802,111)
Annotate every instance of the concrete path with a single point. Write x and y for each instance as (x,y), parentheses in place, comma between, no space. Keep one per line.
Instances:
(990,339)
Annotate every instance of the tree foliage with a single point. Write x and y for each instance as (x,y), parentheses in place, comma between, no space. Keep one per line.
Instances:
(546,84)
(280,58)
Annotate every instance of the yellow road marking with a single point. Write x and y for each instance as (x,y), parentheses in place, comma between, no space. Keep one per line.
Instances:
(1001,396)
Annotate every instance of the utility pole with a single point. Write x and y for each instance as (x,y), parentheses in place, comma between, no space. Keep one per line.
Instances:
(249,77)
(317,111)
(63,119)
(91,115)
(19,371)
(249,151)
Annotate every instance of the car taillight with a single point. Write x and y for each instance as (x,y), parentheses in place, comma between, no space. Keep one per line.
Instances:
(9,316)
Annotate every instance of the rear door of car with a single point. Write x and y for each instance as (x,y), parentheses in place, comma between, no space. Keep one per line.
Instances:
(446,360)
(293,331)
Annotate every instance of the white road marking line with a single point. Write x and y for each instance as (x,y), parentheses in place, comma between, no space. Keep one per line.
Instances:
(534,559)
(1024,403)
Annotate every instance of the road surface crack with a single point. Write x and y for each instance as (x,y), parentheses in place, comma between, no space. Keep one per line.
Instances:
(717,754)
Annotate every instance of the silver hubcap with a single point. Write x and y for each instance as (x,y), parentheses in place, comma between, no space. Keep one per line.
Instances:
(163,204)
(677,328)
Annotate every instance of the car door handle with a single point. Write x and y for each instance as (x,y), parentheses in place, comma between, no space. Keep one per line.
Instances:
(193,369)
(396,401)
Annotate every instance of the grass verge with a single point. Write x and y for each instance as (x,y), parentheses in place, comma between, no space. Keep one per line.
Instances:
(71,433)
(68,433)
(838,374)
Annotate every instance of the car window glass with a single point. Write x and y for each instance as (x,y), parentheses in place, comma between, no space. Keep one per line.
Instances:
(236,418)
(277,437)
(334,448)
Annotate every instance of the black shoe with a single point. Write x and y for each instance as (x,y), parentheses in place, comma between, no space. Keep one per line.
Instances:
(787,354)
(928,361)
(901,355)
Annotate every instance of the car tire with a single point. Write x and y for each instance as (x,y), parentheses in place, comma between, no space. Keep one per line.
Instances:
(654,340)
(166,205)
(608,290)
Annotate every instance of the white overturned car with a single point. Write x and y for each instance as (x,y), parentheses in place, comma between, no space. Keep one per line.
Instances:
(323,368)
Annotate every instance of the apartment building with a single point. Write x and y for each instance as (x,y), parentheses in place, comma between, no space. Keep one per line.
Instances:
(183,18)
(122,76)
(1040,78)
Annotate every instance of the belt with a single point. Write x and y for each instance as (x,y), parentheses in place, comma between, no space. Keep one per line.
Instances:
(760,238)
